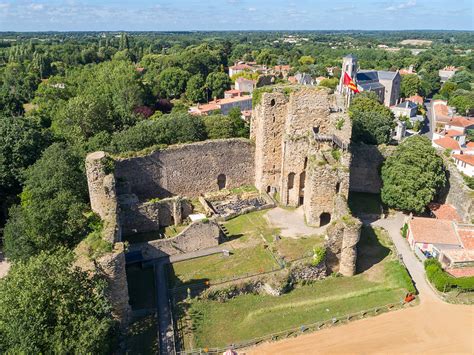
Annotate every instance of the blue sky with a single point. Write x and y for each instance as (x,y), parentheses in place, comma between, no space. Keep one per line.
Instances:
(162,15)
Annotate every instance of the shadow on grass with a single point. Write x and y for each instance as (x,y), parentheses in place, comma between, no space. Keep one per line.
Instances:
(141,286)
(369,250)
(181,290)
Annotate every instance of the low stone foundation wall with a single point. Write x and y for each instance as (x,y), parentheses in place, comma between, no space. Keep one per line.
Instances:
(199,235)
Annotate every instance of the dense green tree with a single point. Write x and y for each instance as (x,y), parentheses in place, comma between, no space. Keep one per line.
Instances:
(226,126)
(306,60)
(463,101)
(447,88)
(430,83)
(172,82)
(52,207)
(410,85)
(372,122)
(329,83)
(412,176)
(195,89)
(21,143)
(217,83)
(49,306)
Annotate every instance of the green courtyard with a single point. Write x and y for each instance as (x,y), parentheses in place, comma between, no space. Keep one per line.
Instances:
(380,280)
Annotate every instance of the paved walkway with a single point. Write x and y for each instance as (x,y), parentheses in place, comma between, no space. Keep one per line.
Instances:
(433,327)
(291,222)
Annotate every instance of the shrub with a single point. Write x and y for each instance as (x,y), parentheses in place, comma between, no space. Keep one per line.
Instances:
(404,230)
(319,255)
(336,154)
(443,281)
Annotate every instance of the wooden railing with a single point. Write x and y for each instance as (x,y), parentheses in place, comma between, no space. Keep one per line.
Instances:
(331,138)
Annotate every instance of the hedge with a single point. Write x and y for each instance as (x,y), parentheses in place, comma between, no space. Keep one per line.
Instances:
(445,282)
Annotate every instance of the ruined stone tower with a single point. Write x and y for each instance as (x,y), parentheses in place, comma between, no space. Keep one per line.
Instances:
(301,151)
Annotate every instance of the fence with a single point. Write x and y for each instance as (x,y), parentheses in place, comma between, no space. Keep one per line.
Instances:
(301,329)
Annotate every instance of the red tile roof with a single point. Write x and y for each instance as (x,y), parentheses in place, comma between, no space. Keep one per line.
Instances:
(470,144)
(453,133)
(433,231)
(444,211)
(468,159)
(461,122)
(467,238)
(459,255)
(461,271)
(417,99)
(244,80)
(447,143)
(241,67)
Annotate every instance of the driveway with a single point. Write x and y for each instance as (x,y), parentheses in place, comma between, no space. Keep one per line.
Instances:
(432,327)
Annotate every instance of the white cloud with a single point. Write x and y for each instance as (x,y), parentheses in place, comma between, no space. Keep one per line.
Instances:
(252,9)
(404,5)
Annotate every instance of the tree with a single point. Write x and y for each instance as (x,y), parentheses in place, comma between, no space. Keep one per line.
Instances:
(48,305)
(195,89)
(329,83)
(217,83)
(410,85)
(372,122)
(226,126)
(21,143)
(412,176)
(447,88)
(172,82)
(306,60)
(53,203)
(430,83)
(462,100)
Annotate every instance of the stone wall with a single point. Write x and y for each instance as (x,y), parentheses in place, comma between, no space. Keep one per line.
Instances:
(284,128)
(199,235)
(458,194)
(189,169)
(104,202)
(142,217)
(341,245)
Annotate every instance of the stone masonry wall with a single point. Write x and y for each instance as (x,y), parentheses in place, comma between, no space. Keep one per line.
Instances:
(141,217)
(199,235)
(189,169)
(103,197)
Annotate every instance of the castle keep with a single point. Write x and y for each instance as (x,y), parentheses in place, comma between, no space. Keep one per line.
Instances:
(301,151)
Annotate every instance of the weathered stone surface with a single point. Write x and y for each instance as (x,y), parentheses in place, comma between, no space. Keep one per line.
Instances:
(308,272)
(199,235)
(188,169)
(283,128)
(341,245)
(141,217)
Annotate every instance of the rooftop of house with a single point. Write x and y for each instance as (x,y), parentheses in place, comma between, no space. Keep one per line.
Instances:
(447,143)
(433,231)
(470,145)
(467,236)
(444,211)
(370,86)
(450,68)
(282,67)
(468,159)
(245,80)
(459,121)
(416,99)
(459,255)
(461,271)
(242,66)
(453,133)
(407,104)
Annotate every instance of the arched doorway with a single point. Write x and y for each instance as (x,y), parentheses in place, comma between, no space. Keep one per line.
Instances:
(291,180)
(301,192)
(221,181)
(324,218)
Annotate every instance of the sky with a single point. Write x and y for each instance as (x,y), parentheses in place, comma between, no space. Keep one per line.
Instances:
(175,15)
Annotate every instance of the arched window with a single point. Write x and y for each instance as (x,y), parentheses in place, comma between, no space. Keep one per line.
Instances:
(221,181)
(272,103)
(338,187)
(324,219)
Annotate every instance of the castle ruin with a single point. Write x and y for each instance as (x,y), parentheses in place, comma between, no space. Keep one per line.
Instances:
(298,154)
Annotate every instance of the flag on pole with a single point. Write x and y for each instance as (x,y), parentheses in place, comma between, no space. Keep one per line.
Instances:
(349,83)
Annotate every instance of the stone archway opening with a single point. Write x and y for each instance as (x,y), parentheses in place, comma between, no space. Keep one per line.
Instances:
(221,181)
(301,191)
(291,180)
(324,219)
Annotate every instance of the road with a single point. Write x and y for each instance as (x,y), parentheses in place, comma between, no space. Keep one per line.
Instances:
(429,126)
(432,327)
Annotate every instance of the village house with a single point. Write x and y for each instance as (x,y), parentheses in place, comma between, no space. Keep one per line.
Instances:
(464,163)
(417,99)
(450,242)
(243,102)
(282,70)
(239,68)
(406,108)
(447,72)
(245,85)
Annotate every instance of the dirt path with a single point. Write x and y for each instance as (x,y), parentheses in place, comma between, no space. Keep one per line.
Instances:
(291,222)
(4,266)
(432,327)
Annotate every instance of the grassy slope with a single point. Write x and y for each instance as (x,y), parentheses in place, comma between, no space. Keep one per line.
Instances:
(249,316)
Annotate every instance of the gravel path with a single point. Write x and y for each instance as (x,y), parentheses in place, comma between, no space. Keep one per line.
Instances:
(291,222)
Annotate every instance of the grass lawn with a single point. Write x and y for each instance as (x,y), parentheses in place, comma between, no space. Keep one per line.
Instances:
(251,225)
(217,267)
(383,280)
(364,203)
(295,248)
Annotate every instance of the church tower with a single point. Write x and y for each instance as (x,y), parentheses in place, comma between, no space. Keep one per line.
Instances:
(349,66)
